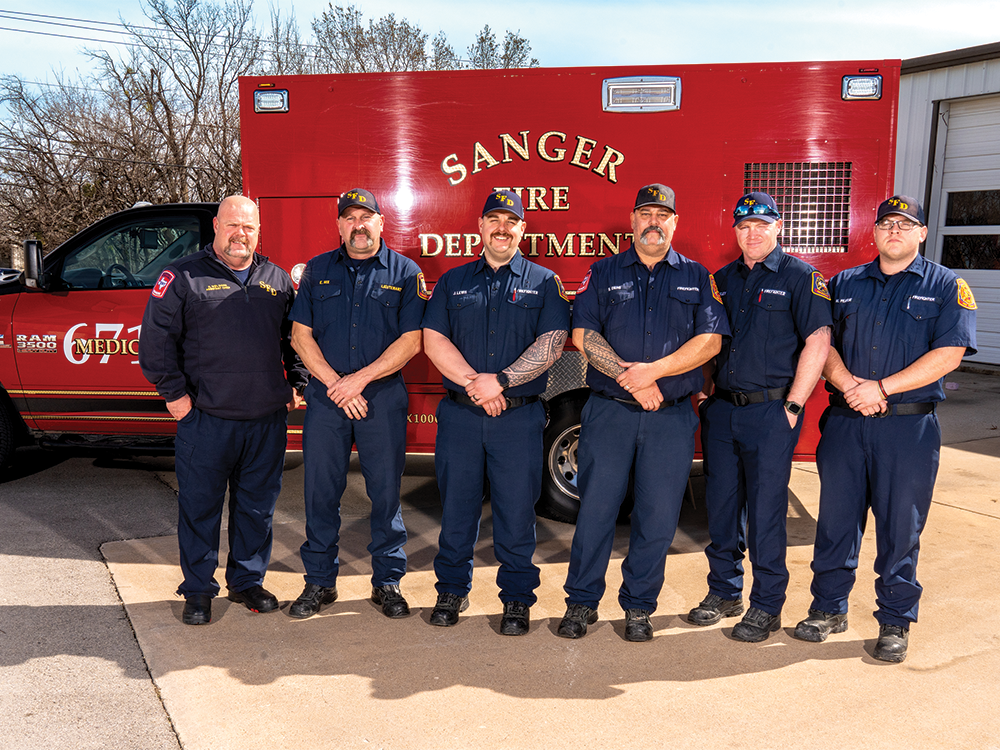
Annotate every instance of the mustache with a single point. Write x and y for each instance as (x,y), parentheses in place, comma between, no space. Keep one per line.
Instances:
(647,230)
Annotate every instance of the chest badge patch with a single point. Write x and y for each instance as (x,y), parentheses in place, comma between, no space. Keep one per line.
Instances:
(163,283)
(965,298)
(715,288)
(422,287)
(561,288)
(819,286)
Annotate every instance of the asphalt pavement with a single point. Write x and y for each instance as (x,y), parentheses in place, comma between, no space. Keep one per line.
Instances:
(93,654)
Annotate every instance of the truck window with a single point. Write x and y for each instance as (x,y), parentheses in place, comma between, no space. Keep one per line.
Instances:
(131,256)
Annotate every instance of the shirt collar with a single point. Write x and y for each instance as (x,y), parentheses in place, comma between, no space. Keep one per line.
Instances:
(772,262)
(631,256)
(516,264)
(917,266)
(381,255)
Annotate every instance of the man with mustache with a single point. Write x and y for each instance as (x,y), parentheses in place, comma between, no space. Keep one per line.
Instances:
(779,313)
(356,322)
(215,344)
(900,324)
(493,327)
(646,320)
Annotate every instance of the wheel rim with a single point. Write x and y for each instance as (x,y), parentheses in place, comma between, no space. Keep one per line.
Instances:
(562,461)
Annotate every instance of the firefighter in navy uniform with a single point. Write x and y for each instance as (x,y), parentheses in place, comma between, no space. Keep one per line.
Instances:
(215,344)
(779,315)
(647,320)
(493,327)
(900,324)
(356,323)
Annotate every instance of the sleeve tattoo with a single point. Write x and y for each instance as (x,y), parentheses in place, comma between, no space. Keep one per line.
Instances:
(600,354)
(537,358)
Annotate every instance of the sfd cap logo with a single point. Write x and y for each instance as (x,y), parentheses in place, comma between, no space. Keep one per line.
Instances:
(504,200)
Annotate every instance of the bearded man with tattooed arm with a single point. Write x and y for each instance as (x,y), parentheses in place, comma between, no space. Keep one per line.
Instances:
(493,327)
(646,320)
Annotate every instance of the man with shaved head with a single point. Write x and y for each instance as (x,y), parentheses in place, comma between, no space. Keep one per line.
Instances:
(215,343)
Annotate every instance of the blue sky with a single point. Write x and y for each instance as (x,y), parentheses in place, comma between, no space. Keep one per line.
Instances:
(592,32)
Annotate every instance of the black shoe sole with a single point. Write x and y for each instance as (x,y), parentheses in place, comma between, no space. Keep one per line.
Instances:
(236,597)
(757,637)
(327,599)
(514,627)
(720,614)
(816,635)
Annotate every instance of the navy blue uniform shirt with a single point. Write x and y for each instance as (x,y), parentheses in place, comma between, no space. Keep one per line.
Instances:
(222,342)
(645,315)
(493,316)
(357,309)
(772,308)
(883,324)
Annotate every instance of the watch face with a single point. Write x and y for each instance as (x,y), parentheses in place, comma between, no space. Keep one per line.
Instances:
(502,379)
(793,408)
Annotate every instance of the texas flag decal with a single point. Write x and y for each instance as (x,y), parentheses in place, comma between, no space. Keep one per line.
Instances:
(162,283)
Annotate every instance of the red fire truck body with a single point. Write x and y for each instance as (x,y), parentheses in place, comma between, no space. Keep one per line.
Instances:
(576,143)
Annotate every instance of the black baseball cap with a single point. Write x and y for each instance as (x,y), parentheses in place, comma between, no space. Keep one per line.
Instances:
(756,205)
(655,195)
(903,205)
(357,197)
(504,200)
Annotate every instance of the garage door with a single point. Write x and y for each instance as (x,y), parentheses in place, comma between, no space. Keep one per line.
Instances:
(966,228)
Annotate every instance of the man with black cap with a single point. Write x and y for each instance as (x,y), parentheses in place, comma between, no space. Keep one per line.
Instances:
(493,327)
(356,322)
(900,324)
(646,320)
(779,314)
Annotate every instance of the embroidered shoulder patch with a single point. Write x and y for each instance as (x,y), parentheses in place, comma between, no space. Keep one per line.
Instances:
(715,289)
(162,283)
(422,287)
(965,298)
(819,286)
(584,283)
(561,288)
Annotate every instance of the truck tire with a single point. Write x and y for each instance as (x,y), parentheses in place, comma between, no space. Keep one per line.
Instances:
(8,435)
(560,498)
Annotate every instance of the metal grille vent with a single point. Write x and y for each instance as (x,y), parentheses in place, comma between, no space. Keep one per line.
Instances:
(814,199)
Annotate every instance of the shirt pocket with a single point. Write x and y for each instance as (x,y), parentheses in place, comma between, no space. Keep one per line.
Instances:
(919,320)
(683,302)
(619,304)
(845,320)
(772,320)
(384,312)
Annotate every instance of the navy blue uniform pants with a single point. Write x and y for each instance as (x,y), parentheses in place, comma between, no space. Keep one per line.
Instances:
(380,437)
(508,451)
(660,445)
(245,456)
(748,462)
(889,465)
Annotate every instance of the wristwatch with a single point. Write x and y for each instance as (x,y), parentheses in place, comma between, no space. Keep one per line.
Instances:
(503,380)
(793,408)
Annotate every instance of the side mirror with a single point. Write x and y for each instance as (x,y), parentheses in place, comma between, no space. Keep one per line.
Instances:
(34,277)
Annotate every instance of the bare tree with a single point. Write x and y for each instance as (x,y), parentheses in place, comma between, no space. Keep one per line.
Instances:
(485,52)
(346,45)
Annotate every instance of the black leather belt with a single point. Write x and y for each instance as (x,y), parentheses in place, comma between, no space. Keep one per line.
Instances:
(633,402)
(745,398)
(386,379)
(895,410)
(512,402)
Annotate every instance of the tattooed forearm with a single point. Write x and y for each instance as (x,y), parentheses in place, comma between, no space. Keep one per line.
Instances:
(537,358)
(600,354)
